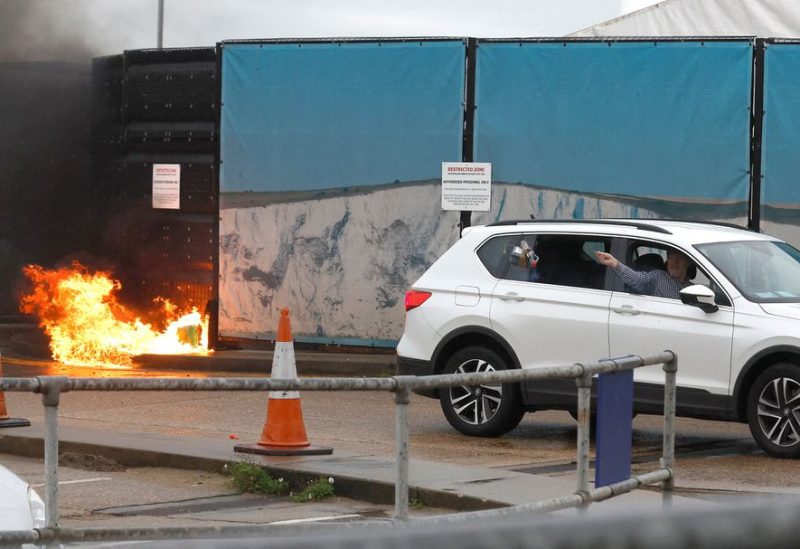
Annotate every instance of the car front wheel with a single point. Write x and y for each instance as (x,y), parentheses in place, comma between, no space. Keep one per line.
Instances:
(773,410)
(486,410)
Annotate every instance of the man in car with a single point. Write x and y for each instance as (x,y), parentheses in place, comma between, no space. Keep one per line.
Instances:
(657,283)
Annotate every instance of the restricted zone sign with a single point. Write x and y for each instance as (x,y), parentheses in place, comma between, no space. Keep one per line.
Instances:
(467,186)
(167,186)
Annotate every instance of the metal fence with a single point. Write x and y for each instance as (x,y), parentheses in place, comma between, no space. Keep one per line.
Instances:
(51,388)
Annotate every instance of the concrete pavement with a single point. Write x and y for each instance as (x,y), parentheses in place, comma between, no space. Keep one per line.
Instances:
(364,477)
(357,475)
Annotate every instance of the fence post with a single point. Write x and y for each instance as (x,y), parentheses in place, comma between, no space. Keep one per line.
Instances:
(51,388)
(668,452)
(584,383)
(401,400)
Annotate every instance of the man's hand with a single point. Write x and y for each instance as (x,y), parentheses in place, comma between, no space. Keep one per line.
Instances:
(606,259)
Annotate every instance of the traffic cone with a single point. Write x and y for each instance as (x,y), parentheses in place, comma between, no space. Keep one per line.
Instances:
(6,421)
(284,433)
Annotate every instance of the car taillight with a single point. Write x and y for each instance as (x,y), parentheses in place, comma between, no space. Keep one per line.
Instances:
(415,298)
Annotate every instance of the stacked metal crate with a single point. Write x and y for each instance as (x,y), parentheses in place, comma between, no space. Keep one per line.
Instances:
(158,107)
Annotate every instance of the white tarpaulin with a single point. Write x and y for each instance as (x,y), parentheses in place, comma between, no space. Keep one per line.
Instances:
(762,18)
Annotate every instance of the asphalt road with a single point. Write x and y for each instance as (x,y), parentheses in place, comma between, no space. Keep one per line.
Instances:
(98,493)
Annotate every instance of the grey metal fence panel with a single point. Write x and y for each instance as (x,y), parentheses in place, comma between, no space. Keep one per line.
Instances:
(51,388)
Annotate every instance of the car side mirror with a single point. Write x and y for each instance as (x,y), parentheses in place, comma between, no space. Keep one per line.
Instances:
(700,296)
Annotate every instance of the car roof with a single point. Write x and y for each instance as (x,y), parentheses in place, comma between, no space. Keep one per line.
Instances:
(686,232)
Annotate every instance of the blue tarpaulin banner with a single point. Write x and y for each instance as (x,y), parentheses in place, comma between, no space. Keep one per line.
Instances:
(331,157)
(668,120)
(780,166)
(303,116)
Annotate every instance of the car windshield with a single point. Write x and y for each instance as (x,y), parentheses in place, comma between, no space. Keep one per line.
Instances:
(764,271)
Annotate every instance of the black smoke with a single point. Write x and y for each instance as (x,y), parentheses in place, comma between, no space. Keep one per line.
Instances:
(47,209)
(36,30)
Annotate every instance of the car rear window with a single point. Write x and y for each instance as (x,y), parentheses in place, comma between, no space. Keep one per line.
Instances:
(496,252)
(566,260)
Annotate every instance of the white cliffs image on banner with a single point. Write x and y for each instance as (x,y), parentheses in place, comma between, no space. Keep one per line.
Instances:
(342,259)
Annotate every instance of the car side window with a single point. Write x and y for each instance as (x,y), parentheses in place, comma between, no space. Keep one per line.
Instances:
(647,256)
(496,253)
(567,260)
(563,259)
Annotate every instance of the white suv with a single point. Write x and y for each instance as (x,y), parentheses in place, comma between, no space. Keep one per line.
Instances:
(533,294)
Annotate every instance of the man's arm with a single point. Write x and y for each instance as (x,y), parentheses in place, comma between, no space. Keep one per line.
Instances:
(637,281)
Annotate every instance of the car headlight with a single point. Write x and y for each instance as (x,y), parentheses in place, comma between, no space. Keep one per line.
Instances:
(37,509)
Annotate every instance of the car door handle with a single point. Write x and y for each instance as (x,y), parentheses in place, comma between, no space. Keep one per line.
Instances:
(511,296)
(626,310)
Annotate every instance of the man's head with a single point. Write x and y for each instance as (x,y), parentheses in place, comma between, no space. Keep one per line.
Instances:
(677,265)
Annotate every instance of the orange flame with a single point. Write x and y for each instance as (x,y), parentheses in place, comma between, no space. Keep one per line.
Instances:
(89,327)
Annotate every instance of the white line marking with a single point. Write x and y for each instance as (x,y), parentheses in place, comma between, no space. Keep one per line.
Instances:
(79,481)
(313,519)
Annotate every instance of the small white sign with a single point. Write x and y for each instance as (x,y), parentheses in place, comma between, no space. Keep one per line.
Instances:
(167,186)
(467,186)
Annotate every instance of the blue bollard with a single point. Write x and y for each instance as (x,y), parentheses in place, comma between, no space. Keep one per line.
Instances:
(613,441)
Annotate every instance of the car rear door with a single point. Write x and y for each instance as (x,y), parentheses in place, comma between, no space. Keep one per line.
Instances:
(553,307)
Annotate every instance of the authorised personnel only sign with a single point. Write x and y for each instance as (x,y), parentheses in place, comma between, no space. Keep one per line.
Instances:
(467,186)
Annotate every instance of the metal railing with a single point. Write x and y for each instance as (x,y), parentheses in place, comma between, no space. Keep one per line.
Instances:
(51,388)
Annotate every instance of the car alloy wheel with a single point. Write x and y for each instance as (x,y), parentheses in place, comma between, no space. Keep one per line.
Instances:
(778,407)
(476,404)
(485,410)
(774,410)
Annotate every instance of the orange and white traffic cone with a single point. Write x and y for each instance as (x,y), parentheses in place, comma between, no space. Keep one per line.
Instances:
(6,421)
(284,433)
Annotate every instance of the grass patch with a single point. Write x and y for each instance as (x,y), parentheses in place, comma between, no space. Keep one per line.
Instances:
(315,490)
(250,478)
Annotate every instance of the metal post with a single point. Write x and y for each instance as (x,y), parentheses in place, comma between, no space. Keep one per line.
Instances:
(668,456)
(51,464)
(757,135)
(584,384)
(468,128)
(401,399)
(160,39)
(51,388)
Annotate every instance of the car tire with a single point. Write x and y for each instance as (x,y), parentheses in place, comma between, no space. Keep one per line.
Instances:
(488,410)
(773,410)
